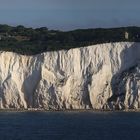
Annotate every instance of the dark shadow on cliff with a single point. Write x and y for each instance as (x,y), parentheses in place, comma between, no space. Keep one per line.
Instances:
(129,60)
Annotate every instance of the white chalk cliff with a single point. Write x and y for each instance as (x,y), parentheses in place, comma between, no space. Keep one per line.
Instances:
(105,76)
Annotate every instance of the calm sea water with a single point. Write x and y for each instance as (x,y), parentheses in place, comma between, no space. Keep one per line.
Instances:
(69,125)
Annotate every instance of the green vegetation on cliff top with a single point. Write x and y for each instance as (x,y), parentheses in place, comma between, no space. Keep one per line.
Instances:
(31,41)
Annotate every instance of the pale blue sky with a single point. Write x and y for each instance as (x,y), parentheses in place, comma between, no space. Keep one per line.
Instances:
(70,14)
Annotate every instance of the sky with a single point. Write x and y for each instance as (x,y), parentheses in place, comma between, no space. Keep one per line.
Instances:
(70,14)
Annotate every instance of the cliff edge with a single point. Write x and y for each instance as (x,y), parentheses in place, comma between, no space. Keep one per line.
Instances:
(105,76)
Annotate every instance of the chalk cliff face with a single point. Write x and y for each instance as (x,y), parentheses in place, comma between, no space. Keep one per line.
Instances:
(105,76)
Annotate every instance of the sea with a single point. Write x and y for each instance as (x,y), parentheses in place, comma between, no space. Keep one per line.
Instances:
(69,125)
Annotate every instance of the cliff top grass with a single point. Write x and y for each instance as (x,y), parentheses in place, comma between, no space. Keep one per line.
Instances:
(29,41)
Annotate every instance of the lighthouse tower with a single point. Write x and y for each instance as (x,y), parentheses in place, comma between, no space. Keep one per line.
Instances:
(126,35)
